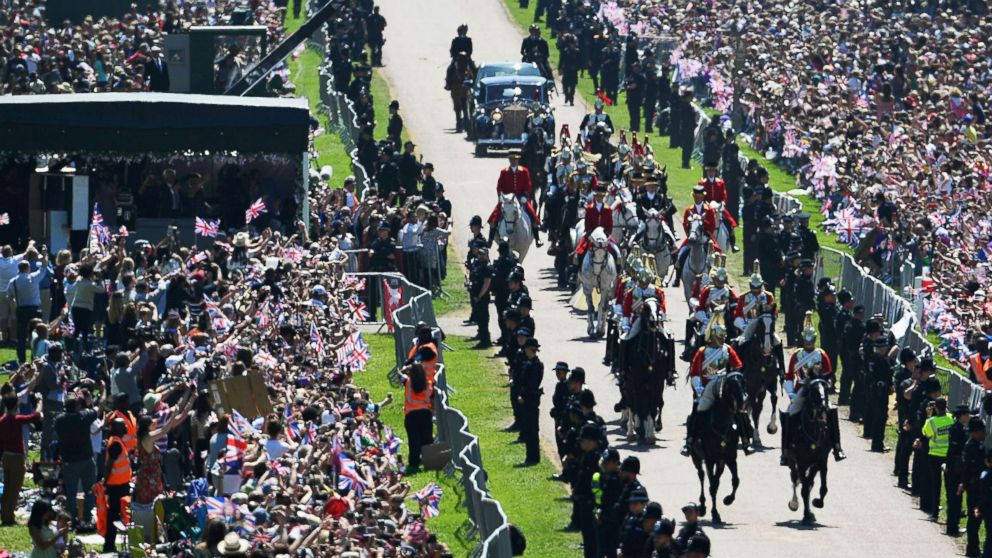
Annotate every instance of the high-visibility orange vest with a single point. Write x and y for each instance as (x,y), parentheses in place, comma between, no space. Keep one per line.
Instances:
(980,368)
(120,469)
(415,401)
(130,439)
(430,366)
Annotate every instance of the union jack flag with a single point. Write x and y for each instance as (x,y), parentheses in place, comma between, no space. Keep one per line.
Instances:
(4,218)
(348,478)
(392,441)
(220,322)
(161,419)
(198,257)
(219,506)
(316,341)
(254,210)
(354,283)
(293,431)
(430,500)
(206,228)
(849,231)
(357,309)
(310,436)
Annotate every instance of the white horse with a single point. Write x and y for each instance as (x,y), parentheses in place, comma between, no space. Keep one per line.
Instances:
(656,240)
(514,226)
(598,272)
(697,264)
(625,221)
(722,231)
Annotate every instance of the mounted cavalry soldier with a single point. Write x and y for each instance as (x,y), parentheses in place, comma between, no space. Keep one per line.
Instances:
(626,282)
(515,179)
(716,192)
(805,365)
(585,179)
(714,299)
(709,367)
(622,163)
(598,215)
(636,297)
(590,120)
(752,304)
(650,197)
(698,210)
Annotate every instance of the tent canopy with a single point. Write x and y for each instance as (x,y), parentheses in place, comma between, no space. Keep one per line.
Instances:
(153,122)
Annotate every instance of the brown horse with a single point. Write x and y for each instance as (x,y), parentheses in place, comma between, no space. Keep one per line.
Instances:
(458,80)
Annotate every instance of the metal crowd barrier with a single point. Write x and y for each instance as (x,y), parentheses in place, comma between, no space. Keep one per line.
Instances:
(486,514)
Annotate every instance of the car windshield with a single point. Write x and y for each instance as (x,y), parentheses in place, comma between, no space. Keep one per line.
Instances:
(507,91)
(497,70)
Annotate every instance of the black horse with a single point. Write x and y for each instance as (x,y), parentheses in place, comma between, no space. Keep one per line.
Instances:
(646,364)
(718,440)
(764,363)
(809,445)
(599,144)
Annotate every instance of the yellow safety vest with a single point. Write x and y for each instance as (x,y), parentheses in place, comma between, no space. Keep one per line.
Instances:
(597,489)
(937,430)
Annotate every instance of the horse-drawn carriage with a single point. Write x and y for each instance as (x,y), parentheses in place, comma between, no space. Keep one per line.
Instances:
(504,107)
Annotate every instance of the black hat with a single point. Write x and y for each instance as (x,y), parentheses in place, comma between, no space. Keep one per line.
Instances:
(515,277)
(873,327)
(930,385)
(806,264)
(766,221)
(438,188)
(587,398)
(699,543)
(512,314)
(664,526)
(600,189)
(766,192)
(858,309)
(519,270)
(394,104)
(844,296)
(693,506)
(429,166)
(976,424)
(638,494)
(475,221)
(525,301)
(710,164)
(589,432)
(532,344)
(787,219)
(577,375)
(611,455)
(823,282)
(525,332)
(926,364)
(747,192)
(503,247)
(653,511)
(907,355)
(962,410)
(632,464)
(561,365)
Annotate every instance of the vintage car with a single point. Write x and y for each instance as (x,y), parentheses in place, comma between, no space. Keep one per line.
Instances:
(496,69)
(503,109)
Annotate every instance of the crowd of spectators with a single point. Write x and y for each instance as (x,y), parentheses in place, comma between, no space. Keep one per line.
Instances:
(120,54)
(879,109)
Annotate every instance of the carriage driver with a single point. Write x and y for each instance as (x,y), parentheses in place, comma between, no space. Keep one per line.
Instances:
(515,179)
(636,297)
(754,303)
(698,210)
(598,214)
(716,191)
(805,365)
(709,366)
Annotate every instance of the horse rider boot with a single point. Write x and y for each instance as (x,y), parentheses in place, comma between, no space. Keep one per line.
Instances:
(699,209)
(709,365)
(805,365)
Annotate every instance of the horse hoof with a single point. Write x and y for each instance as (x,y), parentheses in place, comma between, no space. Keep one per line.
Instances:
(652,441)
(702,510)
(728,500)
(818,503)
(772,429)
(631,438)
(809,519)
(716,519)
(794,504)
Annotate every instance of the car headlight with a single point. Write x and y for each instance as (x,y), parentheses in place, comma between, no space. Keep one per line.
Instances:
(497,116)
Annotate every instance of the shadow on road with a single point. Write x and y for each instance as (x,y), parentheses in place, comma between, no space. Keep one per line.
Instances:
(798,525)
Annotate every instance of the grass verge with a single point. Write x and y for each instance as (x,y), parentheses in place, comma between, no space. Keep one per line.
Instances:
(482,397)
(453,285)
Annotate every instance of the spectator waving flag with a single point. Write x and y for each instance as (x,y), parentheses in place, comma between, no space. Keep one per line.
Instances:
(357,309)
(206,228)
(219,507)
(316,341)
(254,210)
(430,500)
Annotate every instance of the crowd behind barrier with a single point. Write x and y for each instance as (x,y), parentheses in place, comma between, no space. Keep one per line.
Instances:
(489,521)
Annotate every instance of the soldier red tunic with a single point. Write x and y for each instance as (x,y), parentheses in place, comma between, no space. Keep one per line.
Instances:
(517,183)
(749,303)
(802,362)
(704,297)
(716,191)
(632,296)
(727,360)
(595,217)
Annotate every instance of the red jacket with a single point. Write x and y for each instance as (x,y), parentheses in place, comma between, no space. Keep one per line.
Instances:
(696,368)
(704,297)
(709,219)
(628,302)
(748,299)
(599,218)
(716,190)
(793,375)
(517,183)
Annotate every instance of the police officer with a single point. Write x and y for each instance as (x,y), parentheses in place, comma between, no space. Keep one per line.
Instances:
(845,301)
(749,227)
(808,244)
(854,333)
(515,360)
(973,462)
(662,540)
(583,495)
(524,304)
(790,277)
(826,310)
(629,469)
(690,527)
(632,535)
(529,393)
(769,255)
(559,400)
(937,431)
(957,437)
(502,268)
(879,386)
(788,239)
(928,393)
(606,488)
(804,293)
(481,280)
(904,381)
(394,128)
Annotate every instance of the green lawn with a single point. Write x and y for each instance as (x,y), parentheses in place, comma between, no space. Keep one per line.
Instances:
(482,397)
(453,286)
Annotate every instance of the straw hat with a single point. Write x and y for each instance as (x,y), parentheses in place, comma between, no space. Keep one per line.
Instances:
(232,544)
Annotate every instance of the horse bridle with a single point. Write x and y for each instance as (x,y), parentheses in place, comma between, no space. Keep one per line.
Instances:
(509,225)
(809,412)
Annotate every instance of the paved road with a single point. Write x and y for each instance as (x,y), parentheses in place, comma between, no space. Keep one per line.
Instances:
(865,514)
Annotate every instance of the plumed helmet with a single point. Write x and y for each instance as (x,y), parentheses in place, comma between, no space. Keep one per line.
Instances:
(756,282)
(809,332)
(645,275)
(719,274)
(599,104)
(566,155)
(623,149)
(715,330)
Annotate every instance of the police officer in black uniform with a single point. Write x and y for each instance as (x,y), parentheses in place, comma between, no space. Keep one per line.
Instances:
(516,359)
(787,299)
(529,393)
(804,295)
(690,527)
(769,255)
(808,243)
(461,43)
(629,469)
(481,281)
(607,487)
(972,464)
(845,301)
(559,399)
(525,304)
(903,381)
(922,470)
(502,268)
(879,386)
(749,227)
(634,86)
(853,336)
(957,437)
(788,239)
(583,497)
(826,309)
(632,534)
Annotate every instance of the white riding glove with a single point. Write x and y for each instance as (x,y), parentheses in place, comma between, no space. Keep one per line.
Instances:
(740,324)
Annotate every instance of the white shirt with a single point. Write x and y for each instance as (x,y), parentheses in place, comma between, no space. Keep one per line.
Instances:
(8,270)
(96,436)
(276,449)
(410,236)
